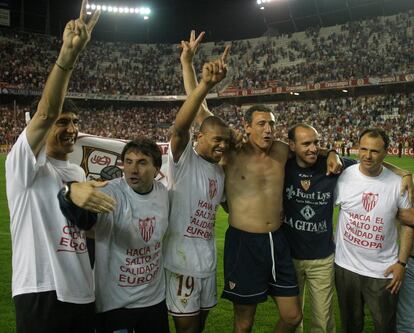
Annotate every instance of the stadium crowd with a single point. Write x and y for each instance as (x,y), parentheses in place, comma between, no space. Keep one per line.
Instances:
(345,52)
(317,55)
(337,119)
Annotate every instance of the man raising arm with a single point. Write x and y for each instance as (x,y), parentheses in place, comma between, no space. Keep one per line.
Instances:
(52,278)
(196,184)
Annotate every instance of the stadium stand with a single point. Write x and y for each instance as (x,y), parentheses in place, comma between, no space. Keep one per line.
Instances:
(372,48)
(337,119)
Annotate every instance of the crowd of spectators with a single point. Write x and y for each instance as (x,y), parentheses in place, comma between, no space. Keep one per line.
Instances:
(377,47)
(372,48)
(338,120)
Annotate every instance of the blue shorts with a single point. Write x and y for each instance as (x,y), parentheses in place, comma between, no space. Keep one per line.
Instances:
(257,265)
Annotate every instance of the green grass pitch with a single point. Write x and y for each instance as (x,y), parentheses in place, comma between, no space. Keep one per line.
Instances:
(221,317)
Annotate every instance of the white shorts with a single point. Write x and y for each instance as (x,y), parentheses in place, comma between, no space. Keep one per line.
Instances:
(188,295)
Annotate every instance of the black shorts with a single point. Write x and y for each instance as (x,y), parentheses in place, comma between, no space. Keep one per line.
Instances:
(151,319)
(251,272)
(44,313)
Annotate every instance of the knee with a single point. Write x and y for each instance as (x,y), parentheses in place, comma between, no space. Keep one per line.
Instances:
(292,318)
(243,324)
(186,325)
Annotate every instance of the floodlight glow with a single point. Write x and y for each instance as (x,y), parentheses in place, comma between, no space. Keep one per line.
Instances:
(344,90)
(146,17)
(262,2)
(296,94)
(143,11)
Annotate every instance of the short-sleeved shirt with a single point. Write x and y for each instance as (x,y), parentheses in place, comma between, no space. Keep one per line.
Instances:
(366,236)
(308,203)
(128,254)
(48,254)
(196,189)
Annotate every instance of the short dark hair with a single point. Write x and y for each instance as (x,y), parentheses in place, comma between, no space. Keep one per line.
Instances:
(248,115)
(145,146)
(212,121)
(292,130)
(68,106)
(374,132)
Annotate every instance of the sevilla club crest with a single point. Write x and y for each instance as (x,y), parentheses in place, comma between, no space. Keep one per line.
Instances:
(305,184)
(146,228)
(212,188)
(369,200)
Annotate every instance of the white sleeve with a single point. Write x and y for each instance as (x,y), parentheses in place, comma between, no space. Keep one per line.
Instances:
(105,221)
(21,164)
(403,201)
(177,169)
(223,197)
(337,199)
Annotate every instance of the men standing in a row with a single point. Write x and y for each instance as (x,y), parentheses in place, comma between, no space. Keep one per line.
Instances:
(52,277)
(308,205)
(254,180)
(369,267)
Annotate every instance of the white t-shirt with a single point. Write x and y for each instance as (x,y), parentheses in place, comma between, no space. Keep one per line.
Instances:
(366,236)
(48,254)
(196,189)
(128,248)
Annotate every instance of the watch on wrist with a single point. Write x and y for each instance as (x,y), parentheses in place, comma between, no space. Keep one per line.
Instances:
(403,264)
(66,191)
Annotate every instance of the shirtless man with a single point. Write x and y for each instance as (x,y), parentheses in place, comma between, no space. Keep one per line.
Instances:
(263,265)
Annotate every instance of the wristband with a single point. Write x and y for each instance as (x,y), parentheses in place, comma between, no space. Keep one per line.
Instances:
(403,264)
(63,68)
(406,175)
(332,150)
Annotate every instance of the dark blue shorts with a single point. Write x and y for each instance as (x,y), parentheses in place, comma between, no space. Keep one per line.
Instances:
(251,272)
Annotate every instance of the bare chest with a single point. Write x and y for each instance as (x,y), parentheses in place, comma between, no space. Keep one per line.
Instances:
(247,172)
